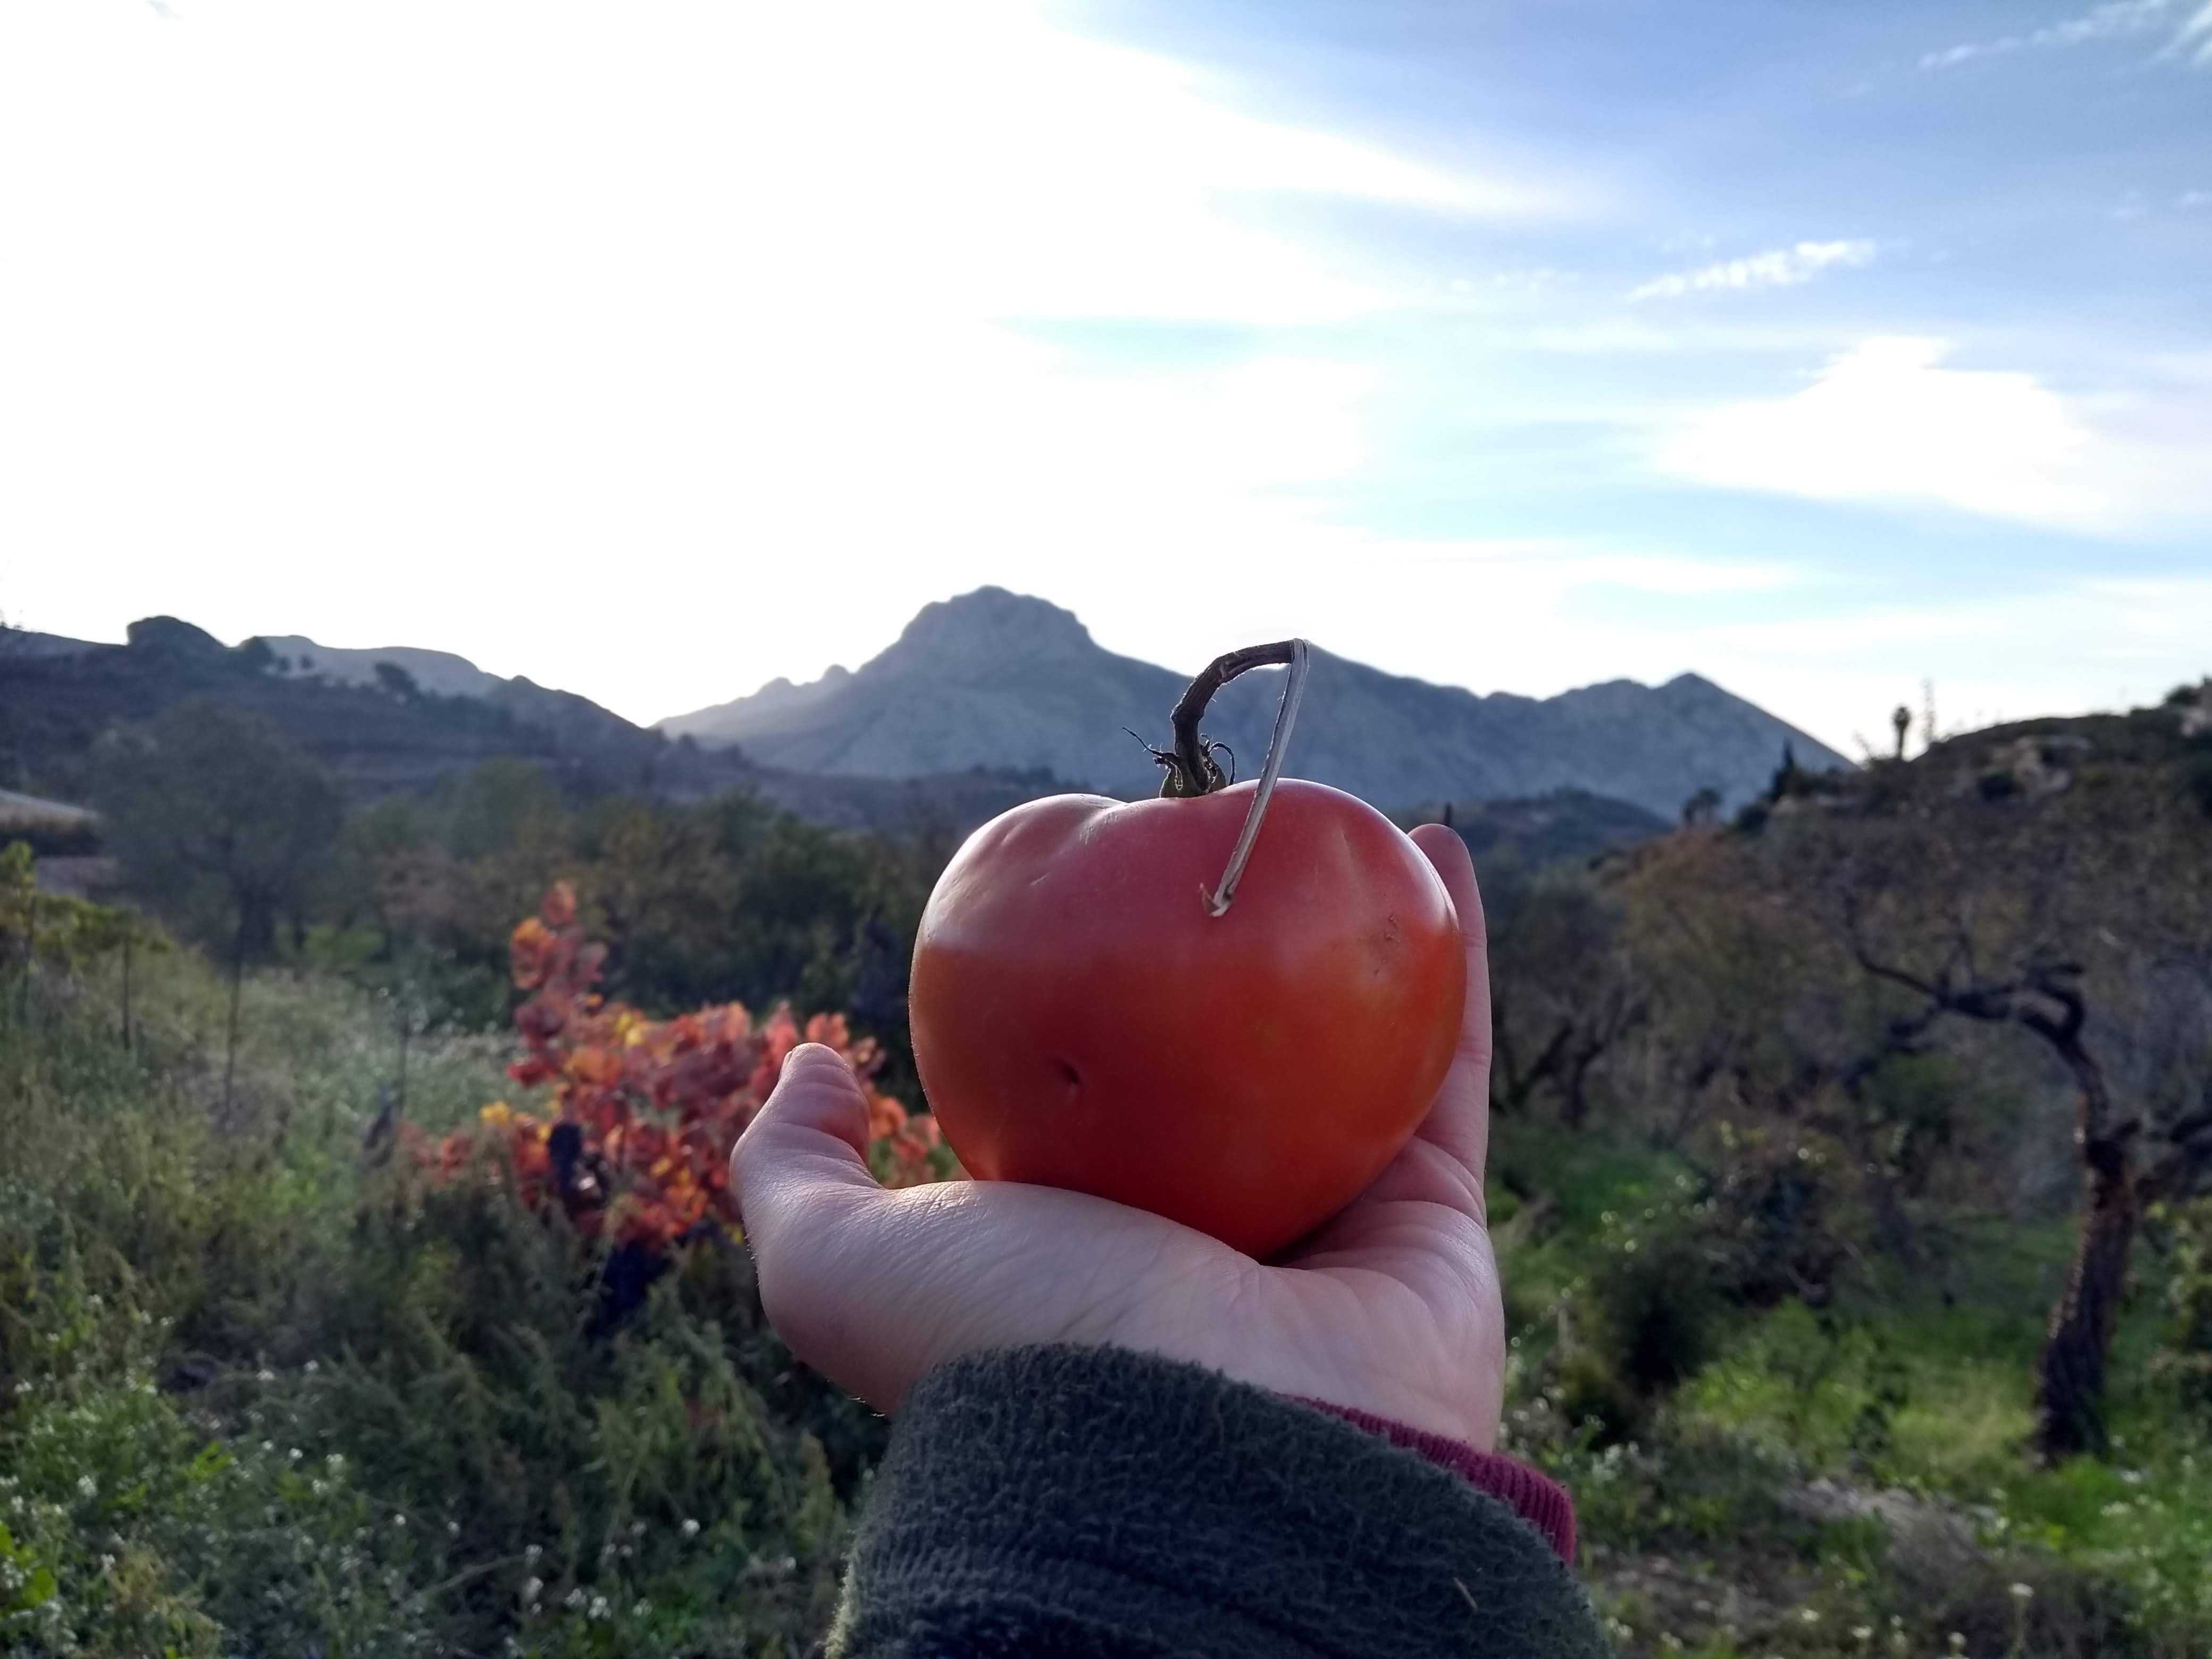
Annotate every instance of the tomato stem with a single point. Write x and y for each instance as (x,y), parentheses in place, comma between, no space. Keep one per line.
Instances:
(1191,770)
(1190,766)
(1294,688)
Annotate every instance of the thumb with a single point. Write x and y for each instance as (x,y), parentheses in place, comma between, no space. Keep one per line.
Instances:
(803,1160)
(813,1215)
(813,1131)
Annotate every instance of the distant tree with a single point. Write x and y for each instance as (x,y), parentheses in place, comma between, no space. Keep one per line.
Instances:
(1703,807)
(1563,992)
(221,824)
(2085,921)
(397,681)
(500,806)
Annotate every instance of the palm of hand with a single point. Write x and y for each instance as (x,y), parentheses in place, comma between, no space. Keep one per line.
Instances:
(1392,1308)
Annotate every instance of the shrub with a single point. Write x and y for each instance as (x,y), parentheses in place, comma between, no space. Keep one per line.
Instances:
(1657,1303)
(262,1393)
(635,1149)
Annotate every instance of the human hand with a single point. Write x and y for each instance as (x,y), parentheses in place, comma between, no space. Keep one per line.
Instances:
(1393,1307)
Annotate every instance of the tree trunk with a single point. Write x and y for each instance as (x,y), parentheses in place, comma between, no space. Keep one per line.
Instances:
(2070,1375)
(30,954)
(230,1040)
(1890,1219)
(1574,1083)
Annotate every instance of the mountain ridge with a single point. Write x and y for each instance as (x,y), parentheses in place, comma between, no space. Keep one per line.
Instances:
(992,677)
(978,694)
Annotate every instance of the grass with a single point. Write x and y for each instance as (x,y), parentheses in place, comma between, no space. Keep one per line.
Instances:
(1855,1479)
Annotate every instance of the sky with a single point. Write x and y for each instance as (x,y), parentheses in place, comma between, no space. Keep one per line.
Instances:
(658,351)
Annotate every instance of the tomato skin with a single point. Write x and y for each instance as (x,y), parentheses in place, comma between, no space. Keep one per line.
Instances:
(1081,1020)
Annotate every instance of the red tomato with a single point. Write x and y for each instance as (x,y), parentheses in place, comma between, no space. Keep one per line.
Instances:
(1081,1020)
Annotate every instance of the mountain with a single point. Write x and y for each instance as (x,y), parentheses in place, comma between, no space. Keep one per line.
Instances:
(374,739)
(983,701)
(21,644)
(438,671)
(1568,826)
(1000,679)
(382,734)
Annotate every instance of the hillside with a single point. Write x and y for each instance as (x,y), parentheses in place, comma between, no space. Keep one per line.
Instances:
(1568,826)
(1001,680)
(983,701)
(379,736)
(55,704)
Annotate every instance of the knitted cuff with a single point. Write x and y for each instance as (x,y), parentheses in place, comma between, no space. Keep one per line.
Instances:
(1534,1497)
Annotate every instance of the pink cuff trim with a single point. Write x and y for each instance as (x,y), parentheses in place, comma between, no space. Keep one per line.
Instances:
(1533,1496)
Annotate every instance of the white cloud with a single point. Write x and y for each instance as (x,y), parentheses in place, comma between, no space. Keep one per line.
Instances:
(2115,20)
(1888,421)
(2193,39)
(1780,267)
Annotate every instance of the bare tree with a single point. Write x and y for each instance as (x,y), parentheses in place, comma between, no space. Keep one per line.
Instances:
(1563,991)
(2083,919)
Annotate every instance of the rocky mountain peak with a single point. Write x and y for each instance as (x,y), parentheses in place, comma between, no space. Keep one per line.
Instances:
(999,679)
(168,636)
(968,637)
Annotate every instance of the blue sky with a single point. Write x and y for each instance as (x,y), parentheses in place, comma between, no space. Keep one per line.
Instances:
(1819,349)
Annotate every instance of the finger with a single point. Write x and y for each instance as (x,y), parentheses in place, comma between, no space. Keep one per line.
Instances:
(799,1173)
(814,1125)
(1459,1121)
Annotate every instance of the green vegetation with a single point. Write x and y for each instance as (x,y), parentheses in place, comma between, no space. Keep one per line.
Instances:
(1786,1184)
(1848,1478)
(262,1392)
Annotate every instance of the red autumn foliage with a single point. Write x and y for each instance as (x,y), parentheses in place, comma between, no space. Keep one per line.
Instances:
(636,1148)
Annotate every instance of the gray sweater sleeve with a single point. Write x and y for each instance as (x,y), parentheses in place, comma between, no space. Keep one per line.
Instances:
(1071,1501)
